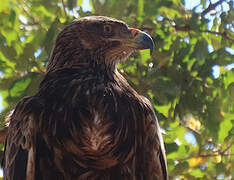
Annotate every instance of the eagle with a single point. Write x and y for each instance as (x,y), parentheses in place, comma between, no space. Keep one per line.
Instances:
(86,122)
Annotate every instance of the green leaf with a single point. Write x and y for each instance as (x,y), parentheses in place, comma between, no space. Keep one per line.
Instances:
(12,17)
(228,78)
(9,53)
(225,127)
(197,173)
(181,167)
(200,51)
(4,5)
(10,36)
(164,109)
(145,55)
(140,7)
(20,86)
(79,2)
(171,147)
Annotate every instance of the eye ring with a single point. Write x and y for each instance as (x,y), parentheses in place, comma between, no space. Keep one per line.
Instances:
(107,29)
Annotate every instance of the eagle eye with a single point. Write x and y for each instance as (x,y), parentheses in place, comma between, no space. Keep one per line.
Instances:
(107,29)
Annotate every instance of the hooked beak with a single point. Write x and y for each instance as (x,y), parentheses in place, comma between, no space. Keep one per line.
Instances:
(142,40)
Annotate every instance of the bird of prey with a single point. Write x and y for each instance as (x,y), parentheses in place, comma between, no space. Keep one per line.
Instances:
(86,122)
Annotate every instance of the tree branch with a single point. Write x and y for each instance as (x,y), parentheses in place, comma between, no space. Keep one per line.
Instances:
(224,34)
(227,148)
(205,156)
(33,20)
(212,7)
(215,153)
(193,130)
(187,28)
(196,132)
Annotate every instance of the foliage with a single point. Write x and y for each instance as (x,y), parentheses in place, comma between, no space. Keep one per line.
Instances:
(178,78)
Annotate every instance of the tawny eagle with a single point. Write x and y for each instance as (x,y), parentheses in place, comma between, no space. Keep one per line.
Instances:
(86,122)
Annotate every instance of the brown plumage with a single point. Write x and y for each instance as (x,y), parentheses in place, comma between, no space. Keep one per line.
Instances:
(86,122)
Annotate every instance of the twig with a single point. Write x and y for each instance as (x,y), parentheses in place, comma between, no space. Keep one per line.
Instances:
(64,9)
(211,7)
(205,156)
(224,34)
(216,153)
(40,69)
(211,155)
(193,130)
(196,132)
(187,28)
(227,148)
(33,20)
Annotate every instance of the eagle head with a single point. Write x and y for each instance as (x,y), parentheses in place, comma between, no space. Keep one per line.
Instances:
(99,39)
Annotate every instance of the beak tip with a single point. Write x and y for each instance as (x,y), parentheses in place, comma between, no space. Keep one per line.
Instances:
(145,41)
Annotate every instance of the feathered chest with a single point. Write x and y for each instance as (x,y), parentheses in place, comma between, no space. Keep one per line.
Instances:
(99,116)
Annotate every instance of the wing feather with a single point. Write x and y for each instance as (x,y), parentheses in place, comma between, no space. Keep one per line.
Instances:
(154,131)
(19,140)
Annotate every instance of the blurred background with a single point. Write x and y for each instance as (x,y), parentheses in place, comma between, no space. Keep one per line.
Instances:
(189,78)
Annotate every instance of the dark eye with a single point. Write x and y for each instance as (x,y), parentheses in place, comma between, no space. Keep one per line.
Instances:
(125,29)
(107,29)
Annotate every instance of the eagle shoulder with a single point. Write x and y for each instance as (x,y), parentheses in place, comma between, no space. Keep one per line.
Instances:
(20,139)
